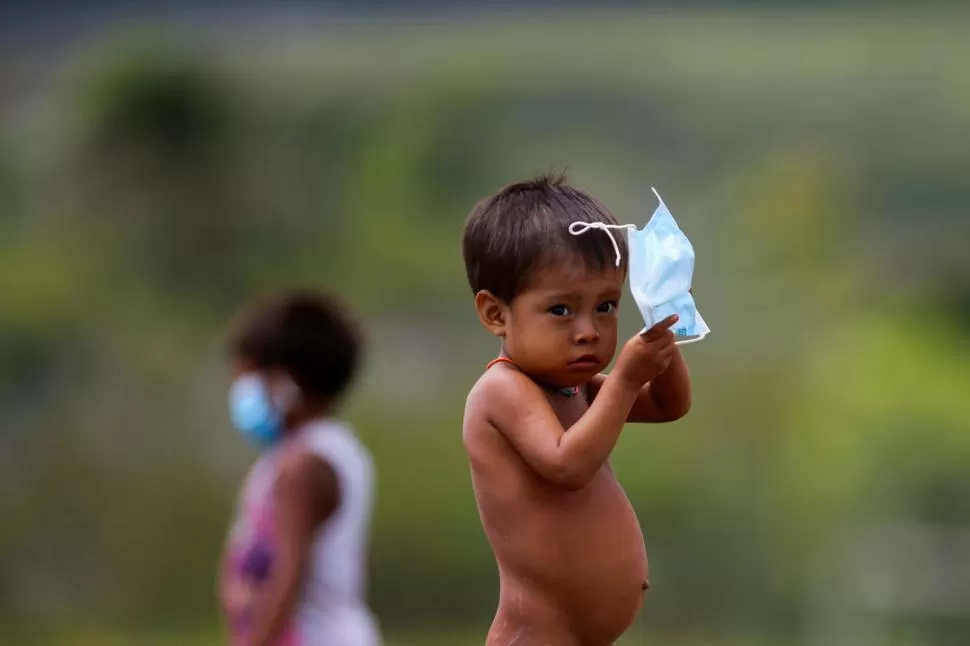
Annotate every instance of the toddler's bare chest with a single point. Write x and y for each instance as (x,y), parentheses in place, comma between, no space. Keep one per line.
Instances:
(569,410)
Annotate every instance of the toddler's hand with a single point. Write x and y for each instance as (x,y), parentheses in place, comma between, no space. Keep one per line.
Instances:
(648,354)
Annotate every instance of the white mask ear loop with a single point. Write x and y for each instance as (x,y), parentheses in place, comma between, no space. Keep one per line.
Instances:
(286,394)
(579,228)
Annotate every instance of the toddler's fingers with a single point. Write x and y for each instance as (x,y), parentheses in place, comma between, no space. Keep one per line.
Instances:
(665,341)
(660,328)
(666,353)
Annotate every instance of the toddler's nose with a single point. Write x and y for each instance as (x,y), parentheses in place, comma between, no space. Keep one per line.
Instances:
(586,332)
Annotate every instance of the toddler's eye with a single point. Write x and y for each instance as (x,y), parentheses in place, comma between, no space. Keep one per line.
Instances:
(608,307)
(559,310)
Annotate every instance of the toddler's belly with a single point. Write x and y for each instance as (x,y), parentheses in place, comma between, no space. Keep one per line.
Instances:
(579,554)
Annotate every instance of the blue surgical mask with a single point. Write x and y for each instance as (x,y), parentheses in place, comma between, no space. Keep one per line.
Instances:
(661,268)
(253,411)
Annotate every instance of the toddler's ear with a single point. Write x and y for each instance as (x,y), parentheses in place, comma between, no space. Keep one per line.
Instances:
(492,312)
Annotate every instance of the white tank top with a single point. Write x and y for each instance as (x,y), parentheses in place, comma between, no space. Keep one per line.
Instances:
(331,610)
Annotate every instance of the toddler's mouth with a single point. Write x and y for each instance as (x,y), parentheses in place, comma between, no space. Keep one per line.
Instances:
(585,361)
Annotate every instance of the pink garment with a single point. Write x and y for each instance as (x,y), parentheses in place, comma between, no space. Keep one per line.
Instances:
(252,548)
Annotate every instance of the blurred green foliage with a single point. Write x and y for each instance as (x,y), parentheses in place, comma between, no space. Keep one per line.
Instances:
(818,166)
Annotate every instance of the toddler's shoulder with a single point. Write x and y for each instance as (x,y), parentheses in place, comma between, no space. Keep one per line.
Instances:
(499,391)
(499,384)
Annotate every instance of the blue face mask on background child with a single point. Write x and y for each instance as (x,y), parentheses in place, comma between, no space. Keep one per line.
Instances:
(661,268)
(255,412)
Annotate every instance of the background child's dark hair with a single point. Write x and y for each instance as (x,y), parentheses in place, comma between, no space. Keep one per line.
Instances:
(525,227)
(307,334)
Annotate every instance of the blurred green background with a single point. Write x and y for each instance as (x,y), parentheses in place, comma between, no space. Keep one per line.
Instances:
(158,171)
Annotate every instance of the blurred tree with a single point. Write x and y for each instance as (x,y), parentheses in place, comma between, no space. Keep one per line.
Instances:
(152,176)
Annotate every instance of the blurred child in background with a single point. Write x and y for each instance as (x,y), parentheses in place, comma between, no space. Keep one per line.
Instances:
(293,572)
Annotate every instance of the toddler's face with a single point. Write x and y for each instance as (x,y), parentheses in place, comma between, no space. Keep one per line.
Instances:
(562,327)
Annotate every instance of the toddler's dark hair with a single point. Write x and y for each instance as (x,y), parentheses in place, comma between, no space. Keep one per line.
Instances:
(525,227)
